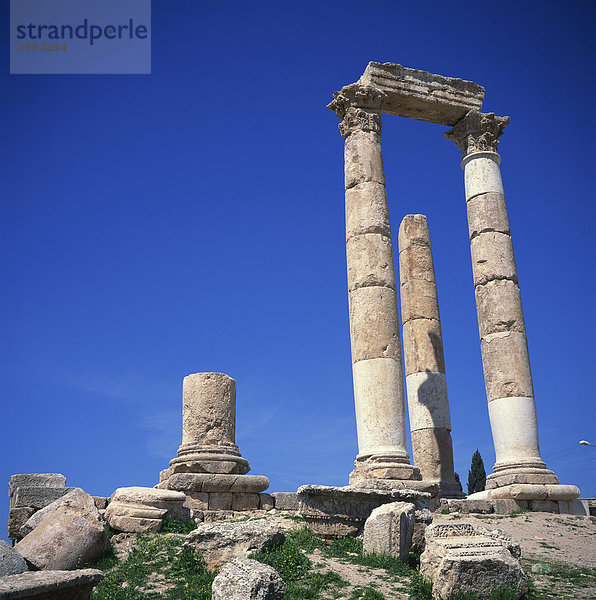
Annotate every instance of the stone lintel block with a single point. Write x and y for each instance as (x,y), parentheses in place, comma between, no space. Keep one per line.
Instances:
(424,96)
(499,307)
(50,585)
(419,300)
(432,453)
(220,501)
(17,517)
(423,346)
(416,262)
(286,500)
(506,366)
(266,501)
(363,160)
(208,409)
(374,328)
(487,212)
(543,506)
(492,258)
(507,506)
(427,401)
(37,497)
(206,482)
(367,210)
(245,501)
(53,480)
(370,261)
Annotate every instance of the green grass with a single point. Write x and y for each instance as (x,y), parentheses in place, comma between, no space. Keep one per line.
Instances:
(365,593)
(180,568)
(519,511)
(172,525)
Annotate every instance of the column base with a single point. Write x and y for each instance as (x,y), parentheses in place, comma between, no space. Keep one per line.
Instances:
(448,489)
(387,472)
(532,472)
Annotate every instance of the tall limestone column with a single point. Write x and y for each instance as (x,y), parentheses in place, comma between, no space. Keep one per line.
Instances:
(505,359)
(374,329)
(428,404)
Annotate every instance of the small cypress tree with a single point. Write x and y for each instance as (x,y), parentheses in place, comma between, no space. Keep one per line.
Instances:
(458,481)
(476,474)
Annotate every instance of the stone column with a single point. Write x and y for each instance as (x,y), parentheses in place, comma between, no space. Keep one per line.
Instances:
(209,468)
(428,404)
(374,330)
(504,347)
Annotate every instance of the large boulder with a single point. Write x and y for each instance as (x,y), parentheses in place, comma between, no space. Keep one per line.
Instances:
(245,579)
(77,499)
(223,541)
(465,557)
(50,585)
(389,530)
(66,539)
(143,509)
(11,562)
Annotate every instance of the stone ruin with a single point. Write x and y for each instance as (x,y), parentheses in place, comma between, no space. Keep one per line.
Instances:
(388,498)
(519,472)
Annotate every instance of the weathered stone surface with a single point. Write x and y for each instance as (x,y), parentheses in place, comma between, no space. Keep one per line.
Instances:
(506,366)
(53,480)
(17,517)
(419,300)
(487,212)
(220,501)
(244,501)
(11,562)
(492,258)
(374,329)
(363,159)
(389,530)
(544,506)
(370,261)
(366,210)
(206,482)
(466,506)
(50,585)
(223,541)
(416,94)
(574,507)
(286,500)
(266,502)
(246,579)
(416,260)
(333,512)
(422,519)
(101,502)
(37,497)
(197,500)
(423,346)
(499,308)
(466,557)
(142,509)
(76,499)
(66,539)
(506,507)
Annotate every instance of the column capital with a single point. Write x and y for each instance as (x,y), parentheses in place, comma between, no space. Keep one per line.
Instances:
(359,108)
(477,132)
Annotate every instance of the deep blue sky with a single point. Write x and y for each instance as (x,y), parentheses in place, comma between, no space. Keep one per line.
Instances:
(193,220)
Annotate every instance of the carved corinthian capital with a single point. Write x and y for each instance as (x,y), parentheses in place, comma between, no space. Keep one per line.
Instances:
(477,132)
(358,107)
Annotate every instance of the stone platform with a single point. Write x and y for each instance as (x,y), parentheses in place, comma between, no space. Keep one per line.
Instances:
(334,512)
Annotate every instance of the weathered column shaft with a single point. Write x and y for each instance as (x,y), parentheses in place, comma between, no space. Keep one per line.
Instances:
(504,347)
(428,404)
(374,328)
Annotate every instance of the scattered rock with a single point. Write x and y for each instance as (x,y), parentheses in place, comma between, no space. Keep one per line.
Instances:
(245,579)
(466,557)
(77,499)
(389,530)
(17,517)
(66,539)
(139,509)
(11,562)
(50,585)
(224,541)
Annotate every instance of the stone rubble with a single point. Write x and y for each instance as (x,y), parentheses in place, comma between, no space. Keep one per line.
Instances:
(50,585)
(246,579)
(11,562)
(389,530)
